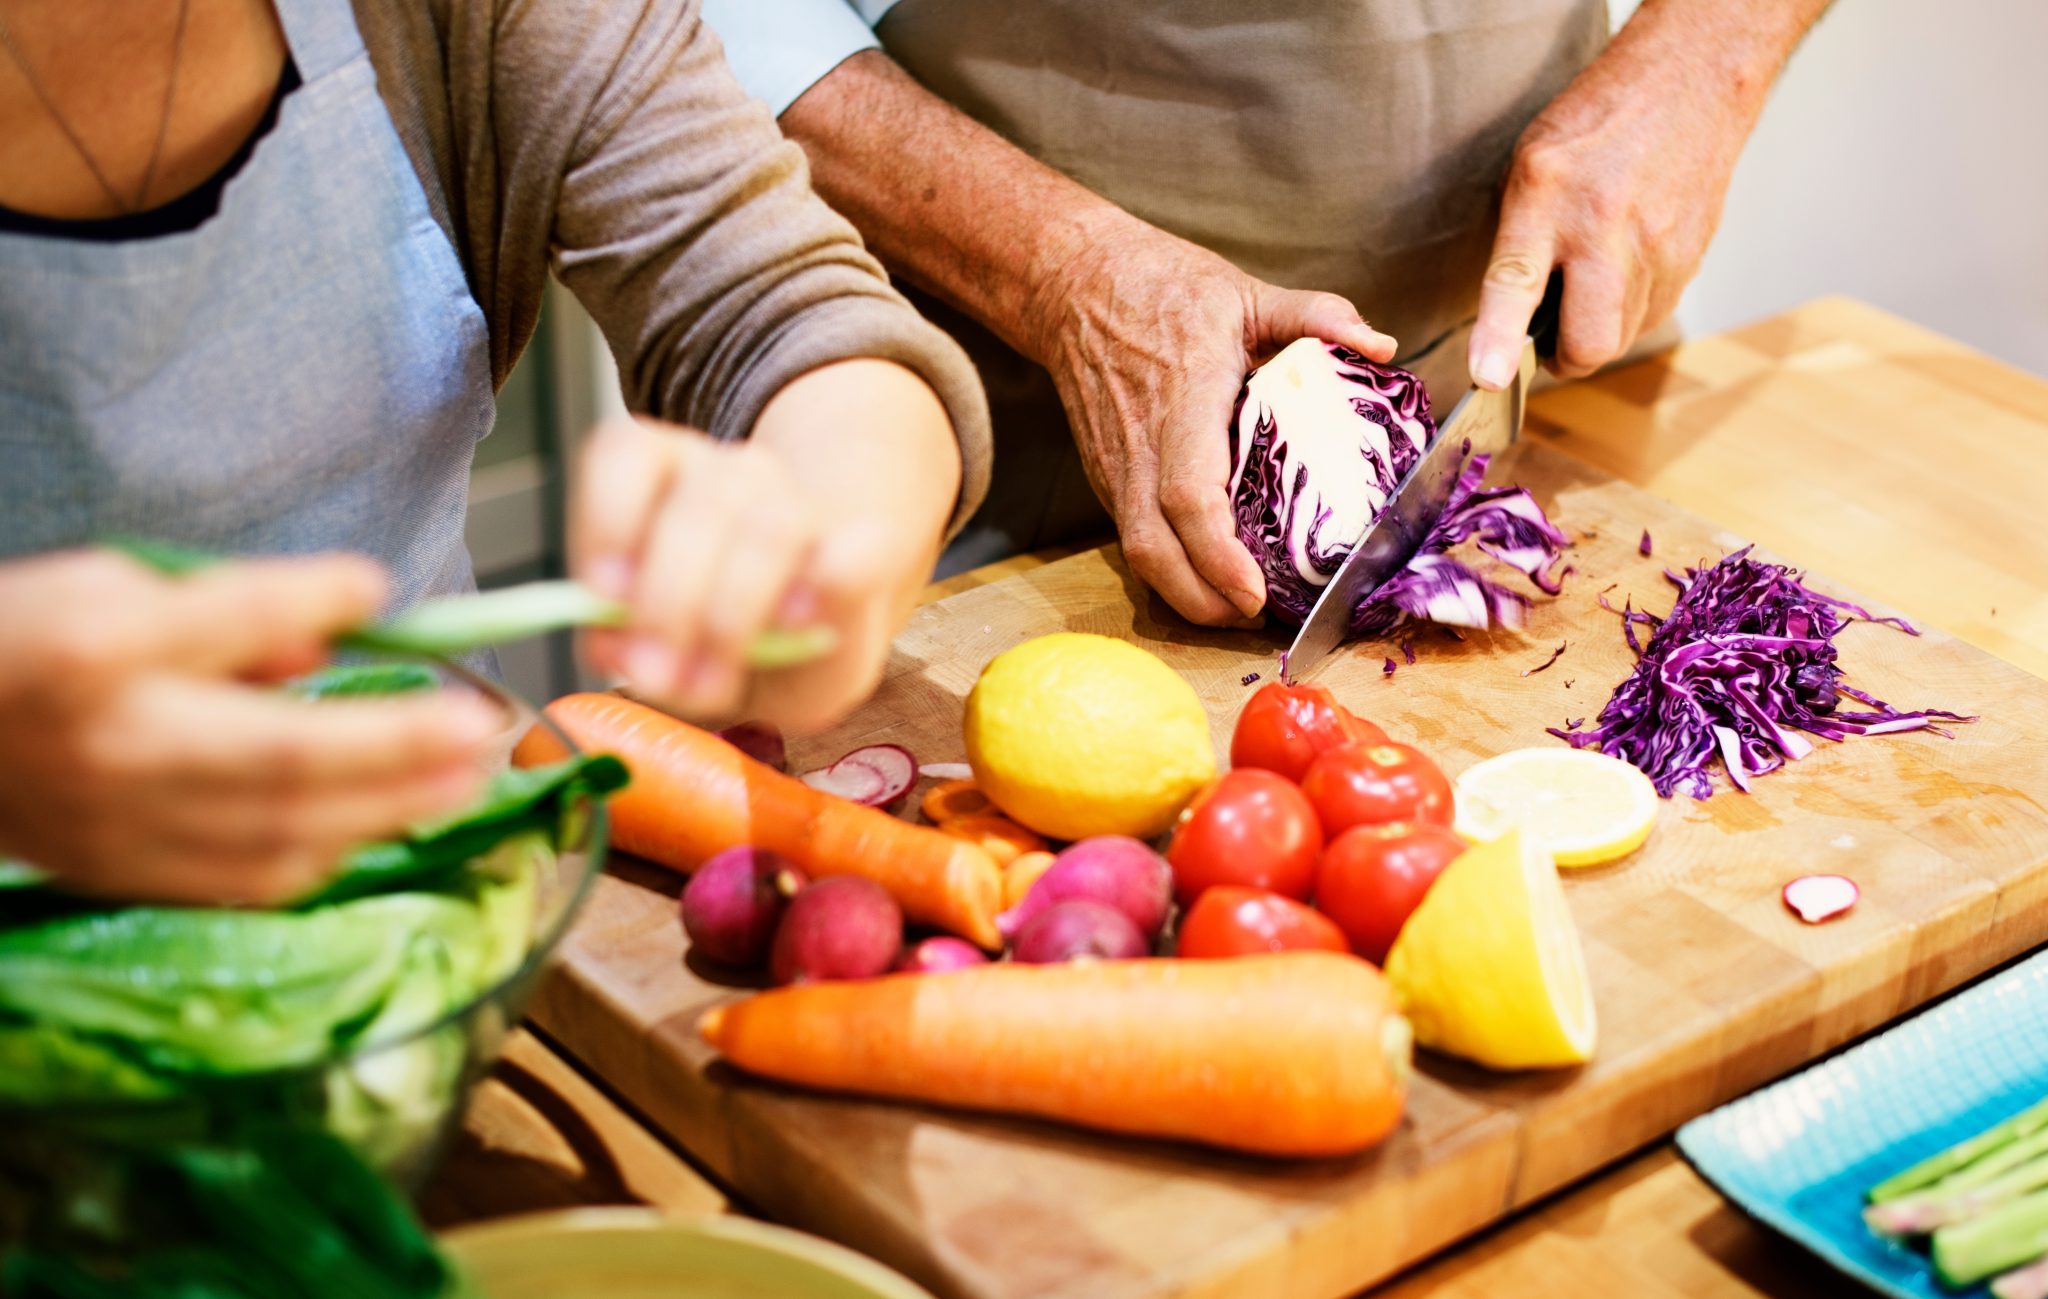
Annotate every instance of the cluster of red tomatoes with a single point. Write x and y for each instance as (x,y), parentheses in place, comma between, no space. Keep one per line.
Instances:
(1319,807)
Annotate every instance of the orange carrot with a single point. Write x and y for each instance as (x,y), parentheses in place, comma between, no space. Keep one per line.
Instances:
(1021,874)
(954,800)
(1000,837)
(694,795)
(1297,1053)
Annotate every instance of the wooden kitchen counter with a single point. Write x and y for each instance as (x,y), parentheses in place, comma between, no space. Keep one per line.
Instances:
(1893,460)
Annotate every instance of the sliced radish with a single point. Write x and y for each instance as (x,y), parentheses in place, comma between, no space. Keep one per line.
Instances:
(947,771)
(1814,898)
(878,775)
(759,741)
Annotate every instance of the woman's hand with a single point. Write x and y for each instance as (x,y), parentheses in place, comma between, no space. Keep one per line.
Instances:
(140,759)
(831,514)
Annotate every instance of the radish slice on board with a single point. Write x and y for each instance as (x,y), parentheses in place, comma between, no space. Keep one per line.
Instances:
(947,771)
(876,776)
(1814,898)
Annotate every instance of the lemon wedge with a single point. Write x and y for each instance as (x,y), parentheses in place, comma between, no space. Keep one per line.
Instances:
(1586,808)
(1489,967)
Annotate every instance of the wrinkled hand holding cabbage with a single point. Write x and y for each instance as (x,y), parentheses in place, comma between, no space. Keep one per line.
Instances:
(1320,438)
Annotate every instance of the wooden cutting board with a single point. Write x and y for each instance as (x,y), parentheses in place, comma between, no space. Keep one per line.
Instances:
(1705,985)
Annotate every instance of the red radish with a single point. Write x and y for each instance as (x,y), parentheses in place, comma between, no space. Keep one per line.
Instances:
(1814,898)
(1079,929)
(1111,869)
(946,771)
(759,741)
(876,776)
(842,927)
(938,956)
(733,903)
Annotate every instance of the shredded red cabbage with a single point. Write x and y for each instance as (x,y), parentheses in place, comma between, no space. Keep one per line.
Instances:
(1744,661)
(1555,655)
(1507,524)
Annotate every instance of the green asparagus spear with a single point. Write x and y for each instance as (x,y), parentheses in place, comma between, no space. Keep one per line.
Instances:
(2029,1282)
(453,624)
(1998,1241)
(1929,1171)
(1943,1203)
(358,680)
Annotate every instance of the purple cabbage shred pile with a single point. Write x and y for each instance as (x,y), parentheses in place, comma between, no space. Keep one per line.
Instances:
(1741,666)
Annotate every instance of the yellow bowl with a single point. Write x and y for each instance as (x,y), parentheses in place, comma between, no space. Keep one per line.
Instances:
(640,1254)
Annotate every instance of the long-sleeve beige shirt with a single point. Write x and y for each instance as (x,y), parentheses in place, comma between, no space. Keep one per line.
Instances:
(606,140)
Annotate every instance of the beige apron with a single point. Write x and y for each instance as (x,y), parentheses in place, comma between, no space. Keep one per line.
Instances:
(1354,146)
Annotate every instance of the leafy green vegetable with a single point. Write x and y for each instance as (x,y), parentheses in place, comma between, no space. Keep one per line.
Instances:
(350,680)
(222,991)
(268,1210)
(519,801)
(166,557)
(45,1064)
(143,1048)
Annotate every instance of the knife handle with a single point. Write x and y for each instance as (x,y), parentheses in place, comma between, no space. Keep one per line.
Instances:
(1544,322)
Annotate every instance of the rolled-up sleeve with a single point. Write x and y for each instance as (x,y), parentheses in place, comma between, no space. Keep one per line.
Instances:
(781,48)
(686,225)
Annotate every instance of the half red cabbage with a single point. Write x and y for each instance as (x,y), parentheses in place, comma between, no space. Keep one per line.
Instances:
(1319,440)
(1743,663)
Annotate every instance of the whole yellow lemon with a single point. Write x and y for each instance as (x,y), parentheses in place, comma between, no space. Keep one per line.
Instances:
(1076,735)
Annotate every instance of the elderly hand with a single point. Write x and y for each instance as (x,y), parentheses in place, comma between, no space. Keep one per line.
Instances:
(1149,339)
(829,515)
(139,760)
(1620,181)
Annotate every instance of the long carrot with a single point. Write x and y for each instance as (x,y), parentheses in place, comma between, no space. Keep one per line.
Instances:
(694,795)
(1299,1053)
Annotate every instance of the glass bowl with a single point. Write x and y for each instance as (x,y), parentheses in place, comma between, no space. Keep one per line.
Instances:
(394,1091)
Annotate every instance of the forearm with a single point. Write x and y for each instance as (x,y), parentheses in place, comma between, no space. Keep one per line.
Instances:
(1732,49)
(947,203)
(873,437)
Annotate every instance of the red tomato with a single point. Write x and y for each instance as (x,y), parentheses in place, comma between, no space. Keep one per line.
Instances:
(1284,728)
(1250,828)
(1229,921)
(1372,878)
(1372,784)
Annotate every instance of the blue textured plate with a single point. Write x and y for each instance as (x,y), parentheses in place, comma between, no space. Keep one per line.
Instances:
(1799,1154)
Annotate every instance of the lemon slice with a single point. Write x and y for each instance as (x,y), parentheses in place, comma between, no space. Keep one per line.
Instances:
(1489,966)
(1587,808)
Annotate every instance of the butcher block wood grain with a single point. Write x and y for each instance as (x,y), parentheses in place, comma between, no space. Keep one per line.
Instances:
(1706,987)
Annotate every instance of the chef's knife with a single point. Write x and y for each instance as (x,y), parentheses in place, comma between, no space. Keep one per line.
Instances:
(1480,423)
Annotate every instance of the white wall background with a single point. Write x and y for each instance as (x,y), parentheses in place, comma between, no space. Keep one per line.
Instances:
(1903,159)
